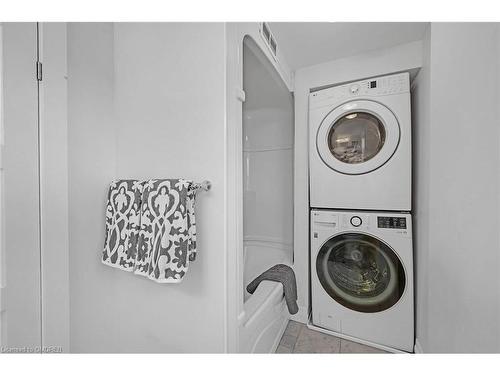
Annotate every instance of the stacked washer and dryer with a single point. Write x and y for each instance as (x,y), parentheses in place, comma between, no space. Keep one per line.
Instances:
(360,198)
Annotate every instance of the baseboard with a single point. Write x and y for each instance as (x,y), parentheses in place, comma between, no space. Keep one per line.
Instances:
(418,348)
(355,339)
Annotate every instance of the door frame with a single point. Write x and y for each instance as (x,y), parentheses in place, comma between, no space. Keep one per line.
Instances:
(235,96)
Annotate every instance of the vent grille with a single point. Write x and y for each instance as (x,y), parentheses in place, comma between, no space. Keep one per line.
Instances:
(268,37)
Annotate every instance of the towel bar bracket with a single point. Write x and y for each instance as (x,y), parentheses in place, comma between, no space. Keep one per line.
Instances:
(205,185)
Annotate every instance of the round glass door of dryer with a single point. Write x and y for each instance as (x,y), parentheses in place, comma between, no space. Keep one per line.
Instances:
(360,272)
(358,137)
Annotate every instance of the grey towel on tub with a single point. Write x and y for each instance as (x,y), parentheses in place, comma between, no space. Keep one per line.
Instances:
(283,274)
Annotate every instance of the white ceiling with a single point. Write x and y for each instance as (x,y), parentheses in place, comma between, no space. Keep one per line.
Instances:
(310,43)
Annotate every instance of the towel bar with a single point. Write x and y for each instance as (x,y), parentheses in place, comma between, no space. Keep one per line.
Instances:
(205,185)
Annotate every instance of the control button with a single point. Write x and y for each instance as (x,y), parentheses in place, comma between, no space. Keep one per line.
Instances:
(354,89)
(356,221)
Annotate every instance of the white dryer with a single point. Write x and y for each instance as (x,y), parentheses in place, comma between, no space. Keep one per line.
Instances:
(362,276)
(360,145)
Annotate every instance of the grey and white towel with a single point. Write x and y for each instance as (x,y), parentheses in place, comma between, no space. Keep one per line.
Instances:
(283,274)
(167,238)
(151,228)
(122,224)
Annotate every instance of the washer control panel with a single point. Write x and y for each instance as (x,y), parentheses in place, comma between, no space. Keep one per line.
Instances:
(325,219)
(381,86)
(325,223)
(391,222)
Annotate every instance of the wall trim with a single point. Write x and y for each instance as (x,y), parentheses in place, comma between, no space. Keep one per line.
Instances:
(54,203)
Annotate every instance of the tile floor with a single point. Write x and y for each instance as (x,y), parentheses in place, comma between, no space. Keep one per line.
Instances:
(297,338)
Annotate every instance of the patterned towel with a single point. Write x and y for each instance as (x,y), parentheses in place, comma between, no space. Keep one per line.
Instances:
(167,238)
(156,231)
(122,224)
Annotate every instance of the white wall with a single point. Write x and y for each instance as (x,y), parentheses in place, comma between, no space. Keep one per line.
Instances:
(460,240)
(406,57)
(146,100)
(91,166)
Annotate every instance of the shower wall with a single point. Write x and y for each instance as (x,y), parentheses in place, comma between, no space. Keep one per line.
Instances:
(143,105)
(267,160)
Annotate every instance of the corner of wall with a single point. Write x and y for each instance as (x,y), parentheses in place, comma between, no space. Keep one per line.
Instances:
(418,348)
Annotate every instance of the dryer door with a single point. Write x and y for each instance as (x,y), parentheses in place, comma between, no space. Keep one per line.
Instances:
(360,272)
(358,137)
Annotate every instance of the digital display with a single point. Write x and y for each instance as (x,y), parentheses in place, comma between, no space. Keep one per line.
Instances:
(373,84)
(391,222)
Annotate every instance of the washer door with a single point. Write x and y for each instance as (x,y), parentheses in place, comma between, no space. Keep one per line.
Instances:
(358,137)
(360,272)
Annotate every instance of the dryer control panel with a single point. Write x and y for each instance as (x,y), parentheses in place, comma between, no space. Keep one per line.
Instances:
(381,86)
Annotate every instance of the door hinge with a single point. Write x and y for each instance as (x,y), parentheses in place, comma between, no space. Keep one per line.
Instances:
(3,298)
(38,71)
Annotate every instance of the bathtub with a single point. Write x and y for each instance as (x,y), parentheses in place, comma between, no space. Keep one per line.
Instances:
(265,315)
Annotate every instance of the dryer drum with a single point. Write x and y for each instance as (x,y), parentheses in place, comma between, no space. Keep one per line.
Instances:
(356,137)
(360,272)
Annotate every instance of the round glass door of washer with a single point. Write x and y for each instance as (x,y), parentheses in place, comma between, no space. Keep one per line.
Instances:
(360,272)
(358,137)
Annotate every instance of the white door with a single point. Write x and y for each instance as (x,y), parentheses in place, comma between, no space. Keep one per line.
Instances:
(358,137)
(20,231)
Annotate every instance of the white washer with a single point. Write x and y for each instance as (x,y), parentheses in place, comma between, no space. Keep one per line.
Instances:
(360,145)
(362,276)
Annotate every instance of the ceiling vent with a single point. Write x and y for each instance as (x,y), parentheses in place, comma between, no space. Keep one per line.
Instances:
(268,36)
